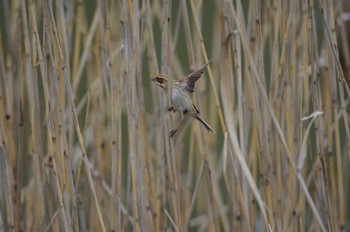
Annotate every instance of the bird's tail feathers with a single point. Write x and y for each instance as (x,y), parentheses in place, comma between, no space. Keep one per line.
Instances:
(204,123)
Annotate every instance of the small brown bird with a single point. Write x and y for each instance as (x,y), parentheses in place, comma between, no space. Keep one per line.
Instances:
(180,96)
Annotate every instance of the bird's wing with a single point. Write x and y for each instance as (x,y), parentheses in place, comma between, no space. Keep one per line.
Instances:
(189,82)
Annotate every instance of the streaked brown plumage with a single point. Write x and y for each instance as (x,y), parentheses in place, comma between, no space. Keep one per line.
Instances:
(181,98)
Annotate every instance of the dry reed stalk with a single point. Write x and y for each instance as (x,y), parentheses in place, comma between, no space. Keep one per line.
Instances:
(84,140)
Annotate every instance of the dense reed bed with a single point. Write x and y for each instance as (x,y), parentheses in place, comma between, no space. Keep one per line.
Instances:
(84,133)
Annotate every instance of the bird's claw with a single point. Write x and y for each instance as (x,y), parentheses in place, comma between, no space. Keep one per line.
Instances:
(171,108)
(172,133)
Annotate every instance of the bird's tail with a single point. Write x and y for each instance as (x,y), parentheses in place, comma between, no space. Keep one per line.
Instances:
(204,123)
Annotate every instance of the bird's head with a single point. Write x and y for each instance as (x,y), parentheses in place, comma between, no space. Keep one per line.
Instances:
(161,80)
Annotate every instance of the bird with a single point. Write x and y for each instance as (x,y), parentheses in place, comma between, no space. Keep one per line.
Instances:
(181,98)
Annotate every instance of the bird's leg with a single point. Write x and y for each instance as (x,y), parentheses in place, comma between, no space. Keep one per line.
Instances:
(172,133)
(172,108)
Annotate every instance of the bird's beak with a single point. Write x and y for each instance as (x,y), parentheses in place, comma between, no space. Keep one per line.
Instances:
(154,79)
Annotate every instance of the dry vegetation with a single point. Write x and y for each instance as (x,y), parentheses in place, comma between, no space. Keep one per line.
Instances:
(84,134)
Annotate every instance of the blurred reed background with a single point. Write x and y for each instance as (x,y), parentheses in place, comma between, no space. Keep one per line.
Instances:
(84,133)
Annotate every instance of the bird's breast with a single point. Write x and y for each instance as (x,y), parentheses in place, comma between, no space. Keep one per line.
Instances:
(181,101)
